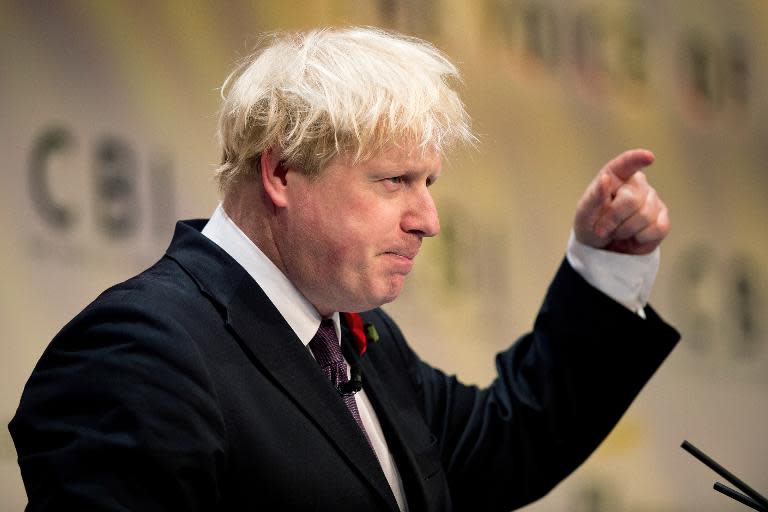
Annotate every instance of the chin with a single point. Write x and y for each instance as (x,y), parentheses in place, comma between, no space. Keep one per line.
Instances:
(392,293)
(376,295)
(372,301)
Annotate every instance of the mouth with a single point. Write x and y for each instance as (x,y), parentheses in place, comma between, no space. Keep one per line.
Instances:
(407,251)
(401,260)
(408,255)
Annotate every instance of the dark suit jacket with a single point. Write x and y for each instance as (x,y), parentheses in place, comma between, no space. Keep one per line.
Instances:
(184,389)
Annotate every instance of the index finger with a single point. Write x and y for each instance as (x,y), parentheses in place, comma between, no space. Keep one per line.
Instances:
(624,166)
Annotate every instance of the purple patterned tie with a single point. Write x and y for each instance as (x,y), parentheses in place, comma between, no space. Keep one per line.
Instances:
(327,351)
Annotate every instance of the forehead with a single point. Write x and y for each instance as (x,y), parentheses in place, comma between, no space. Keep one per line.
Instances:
(405,158)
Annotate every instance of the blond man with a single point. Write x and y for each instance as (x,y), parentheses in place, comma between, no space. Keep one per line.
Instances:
(236,374)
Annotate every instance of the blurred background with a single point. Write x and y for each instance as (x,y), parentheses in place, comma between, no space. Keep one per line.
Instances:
(107,120)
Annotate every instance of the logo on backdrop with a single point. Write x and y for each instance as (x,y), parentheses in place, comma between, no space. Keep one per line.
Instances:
(99,193)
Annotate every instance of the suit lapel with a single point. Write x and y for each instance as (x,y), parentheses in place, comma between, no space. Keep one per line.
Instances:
(400,434)
(277,349)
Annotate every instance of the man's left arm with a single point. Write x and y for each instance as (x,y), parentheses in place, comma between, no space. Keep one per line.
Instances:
(561,388)
(559,391)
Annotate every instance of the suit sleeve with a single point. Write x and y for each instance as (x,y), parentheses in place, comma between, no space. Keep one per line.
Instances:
(559,391)
(92,429)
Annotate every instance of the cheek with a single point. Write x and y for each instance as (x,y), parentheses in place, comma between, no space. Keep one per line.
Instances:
(342,234)
(350,234)
(330,244)
(348,252)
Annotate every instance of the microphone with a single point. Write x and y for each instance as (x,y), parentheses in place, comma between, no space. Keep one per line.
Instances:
(750,498)
(354,384)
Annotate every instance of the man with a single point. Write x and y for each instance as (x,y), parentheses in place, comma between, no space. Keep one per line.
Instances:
(214,380)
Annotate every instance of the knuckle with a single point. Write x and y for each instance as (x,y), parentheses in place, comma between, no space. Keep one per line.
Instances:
(625,194)
(644,237)
(627,200)
(650,209)
(663,221)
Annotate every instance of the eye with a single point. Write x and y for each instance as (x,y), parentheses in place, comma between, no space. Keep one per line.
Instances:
(393,183)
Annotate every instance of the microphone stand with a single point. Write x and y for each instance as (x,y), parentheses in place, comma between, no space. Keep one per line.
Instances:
(750,498)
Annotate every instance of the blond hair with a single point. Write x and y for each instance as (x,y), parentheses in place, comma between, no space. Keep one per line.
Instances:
(354,91)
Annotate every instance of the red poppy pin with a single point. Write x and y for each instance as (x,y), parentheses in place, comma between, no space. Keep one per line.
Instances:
(361,332)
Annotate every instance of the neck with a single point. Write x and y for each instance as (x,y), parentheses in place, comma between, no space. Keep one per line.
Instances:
(250,210)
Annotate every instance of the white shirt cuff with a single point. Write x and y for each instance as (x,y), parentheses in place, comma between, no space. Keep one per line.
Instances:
(626,278)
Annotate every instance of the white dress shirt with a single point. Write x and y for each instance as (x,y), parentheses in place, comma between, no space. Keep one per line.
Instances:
(626,279)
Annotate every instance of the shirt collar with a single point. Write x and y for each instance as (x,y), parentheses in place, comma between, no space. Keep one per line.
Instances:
(298,312)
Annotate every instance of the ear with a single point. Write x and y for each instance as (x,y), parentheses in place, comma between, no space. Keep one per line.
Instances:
(274,177)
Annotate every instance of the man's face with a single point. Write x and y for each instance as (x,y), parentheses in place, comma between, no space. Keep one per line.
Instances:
(349,237)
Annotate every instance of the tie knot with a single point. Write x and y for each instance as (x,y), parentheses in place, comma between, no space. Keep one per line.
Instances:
(325,344)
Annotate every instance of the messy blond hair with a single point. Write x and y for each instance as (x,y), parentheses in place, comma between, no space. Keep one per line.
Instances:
(319,94)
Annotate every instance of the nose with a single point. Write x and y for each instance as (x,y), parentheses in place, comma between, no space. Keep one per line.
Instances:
(421,216)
